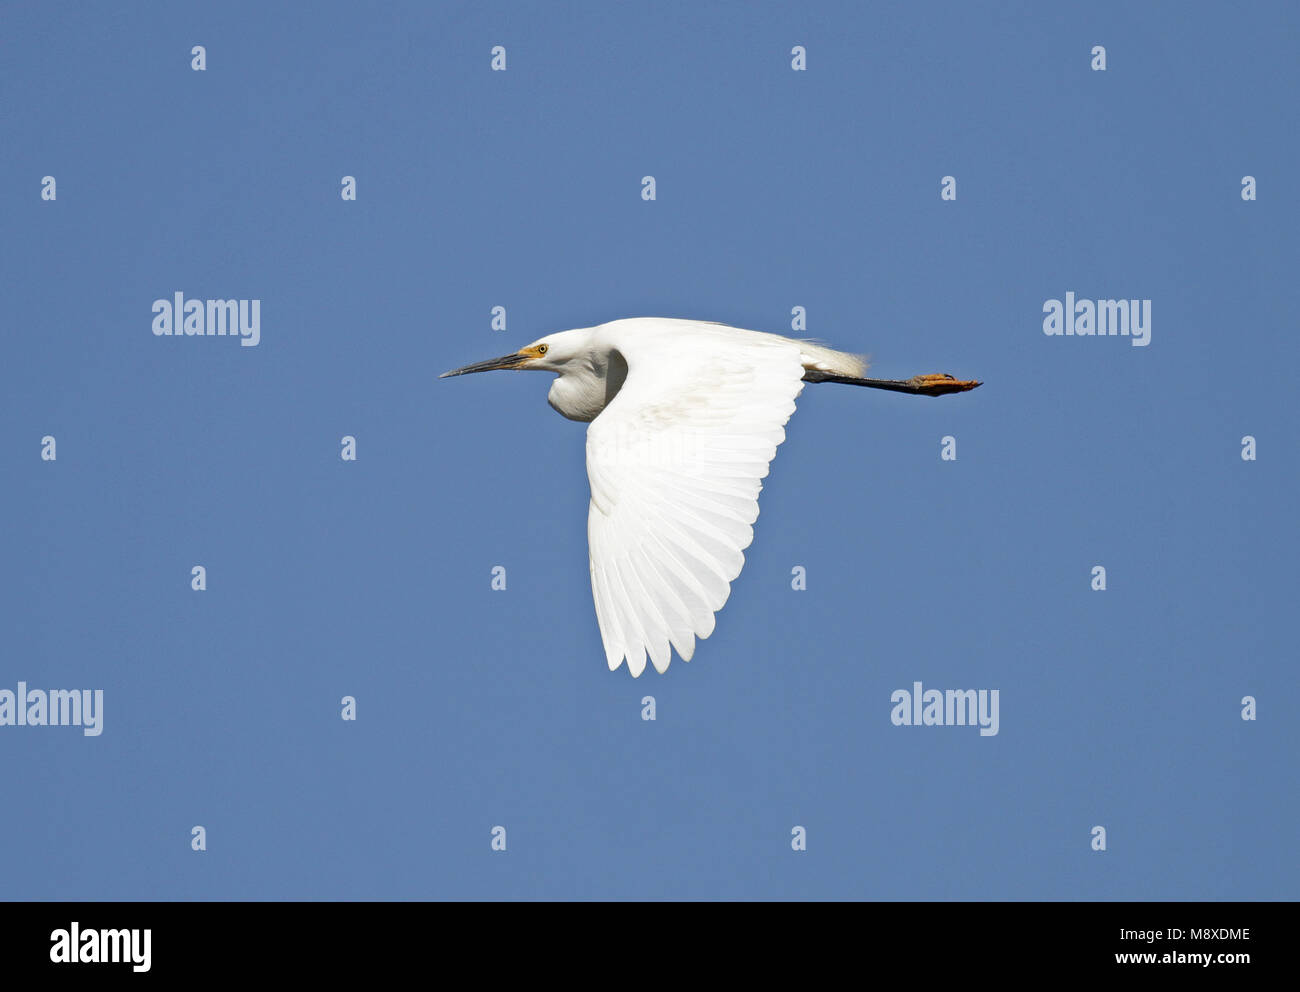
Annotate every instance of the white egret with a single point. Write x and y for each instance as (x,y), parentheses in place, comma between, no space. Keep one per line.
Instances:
(685,417)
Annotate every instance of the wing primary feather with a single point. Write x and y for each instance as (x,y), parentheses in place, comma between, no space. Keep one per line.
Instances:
(676,462)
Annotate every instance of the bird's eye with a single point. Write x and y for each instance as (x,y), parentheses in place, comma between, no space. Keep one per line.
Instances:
(542,349)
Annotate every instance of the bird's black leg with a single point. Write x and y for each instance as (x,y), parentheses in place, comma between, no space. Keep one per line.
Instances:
(936,384)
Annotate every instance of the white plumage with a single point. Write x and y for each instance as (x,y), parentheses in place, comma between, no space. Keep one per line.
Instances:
(685,418)
(676,463)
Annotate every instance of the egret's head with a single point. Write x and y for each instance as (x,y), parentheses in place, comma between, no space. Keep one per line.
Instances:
(552,353)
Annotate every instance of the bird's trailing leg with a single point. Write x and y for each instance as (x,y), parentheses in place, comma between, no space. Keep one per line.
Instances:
(935,384)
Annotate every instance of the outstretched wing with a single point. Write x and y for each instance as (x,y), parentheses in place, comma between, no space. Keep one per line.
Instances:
(676,462)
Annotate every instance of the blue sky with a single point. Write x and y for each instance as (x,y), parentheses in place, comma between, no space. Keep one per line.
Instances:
(521,189)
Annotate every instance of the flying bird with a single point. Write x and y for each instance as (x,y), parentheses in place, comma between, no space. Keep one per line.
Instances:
(685,417)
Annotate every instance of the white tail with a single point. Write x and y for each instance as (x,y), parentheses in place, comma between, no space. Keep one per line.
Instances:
(823,359)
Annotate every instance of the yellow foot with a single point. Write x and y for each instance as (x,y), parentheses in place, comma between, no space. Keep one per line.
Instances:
(937,384)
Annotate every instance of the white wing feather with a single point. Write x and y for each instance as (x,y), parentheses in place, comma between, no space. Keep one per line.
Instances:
(676,463)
